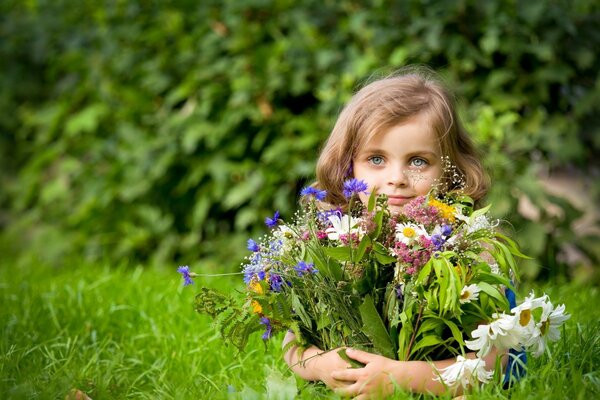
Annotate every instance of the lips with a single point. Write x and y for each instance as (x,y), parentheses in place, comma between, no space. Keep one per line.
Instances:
(398,200)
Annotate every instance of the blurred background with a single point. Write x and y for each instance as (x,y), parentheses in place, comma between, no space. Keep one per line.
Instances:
(164,132)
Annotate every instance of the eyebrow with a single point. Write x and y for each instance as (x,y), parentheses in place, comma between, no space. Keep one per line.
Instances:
(411,154)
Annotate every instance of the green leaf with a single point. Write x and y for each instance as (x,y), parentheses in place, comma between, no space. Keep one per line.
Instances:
(353,363)
(362,248)
(374,328)
(493,292)
(342,253)
(426,341)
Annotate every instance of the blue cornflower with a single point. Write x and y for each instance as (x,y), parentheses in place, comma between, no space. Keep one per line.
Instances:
(187,275)
(438,241)
(314,192)
(253,246)
(276,282)
(324,215)
(305,268)
(268,328)
(272,222)
(446,230)
(354,186)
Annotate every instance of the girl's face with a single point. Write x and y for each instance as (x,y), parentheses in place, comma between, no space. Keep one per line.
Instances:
(401,162)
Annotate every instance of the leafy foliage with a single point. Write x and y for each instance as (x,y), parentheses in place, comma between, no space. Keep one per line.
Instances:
(152,131)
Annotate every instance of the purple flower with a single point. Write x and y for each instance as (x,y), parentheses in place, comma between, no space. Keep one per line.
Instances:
(268,328)
(187,276)
(314,192)
(438,241)
(354,186)
(399,294)
(253,246)
(272,222)
(261,275)
(276,282)
(305,268)
(446,230)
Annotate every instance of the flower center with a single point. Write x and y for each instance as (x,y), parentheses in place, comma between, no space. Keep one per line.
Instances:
(408,232)
(525,317)
(465,295)
(544,327)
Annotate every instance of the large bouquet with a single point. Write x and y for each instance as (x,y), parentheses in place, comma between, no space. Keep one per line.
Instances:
(428,283)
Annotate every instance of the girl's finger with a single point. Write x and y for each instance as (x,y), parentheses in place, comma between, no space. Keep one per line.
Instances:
(360,356)
(348,375)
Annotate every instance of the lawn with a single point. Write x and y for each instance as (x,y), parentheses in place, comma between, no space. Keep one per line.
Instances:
(132,333)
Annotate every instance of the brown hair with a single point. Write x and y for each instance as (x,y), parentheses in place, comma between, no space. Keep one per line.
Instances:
(385,103)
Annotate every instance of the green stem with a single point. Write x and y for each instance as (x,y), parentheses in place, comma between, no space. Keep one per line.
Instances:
(414,334)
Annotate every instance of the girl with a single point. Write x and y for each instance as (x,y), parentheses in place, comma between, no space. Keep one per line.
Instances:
(393,134)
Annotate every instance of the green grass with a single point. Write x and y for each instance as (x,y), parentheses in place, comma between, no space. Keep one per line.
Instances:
(132,333)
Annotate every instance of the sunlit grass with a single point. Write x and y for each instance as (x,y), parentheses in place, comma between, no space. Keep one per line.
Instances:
(132,333)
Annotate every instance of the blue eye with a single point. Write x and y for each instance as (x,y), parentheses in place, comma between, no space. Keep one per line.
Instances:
(419,162)
(376,160)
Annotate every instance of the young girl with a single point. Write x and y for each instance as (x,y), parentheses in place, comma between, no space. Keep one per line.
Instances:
(393,134)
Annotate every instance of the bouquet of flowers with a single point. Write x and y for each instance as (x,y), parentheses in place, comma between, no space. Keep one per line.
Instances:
(424,284)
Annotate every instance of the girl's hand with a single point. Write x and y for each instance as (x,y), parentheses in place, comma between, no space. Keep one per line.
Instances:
(325,364)
(375,379)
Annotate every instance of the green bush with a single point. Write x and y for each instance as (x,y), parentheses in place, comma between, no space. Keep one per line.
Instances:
(168,130)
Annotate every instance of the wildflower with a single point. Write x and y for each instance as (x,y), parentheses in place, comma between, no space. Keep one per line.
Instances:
(268,328)
(407,232)
(187,275)
(256,307)
(548,327)
(276,282)
(446,211)
(253,246)
(523,313)
(501,333)
(469,293)
(272,222)
(399,294)
(321,235)
(465,372)
(255,286)
(438,241)
(354,186)
(303,268)
(314,192)
(343,226)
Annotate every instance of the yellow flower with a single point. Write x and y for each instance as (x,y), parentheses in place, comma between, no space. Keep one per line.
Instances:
(256,308)
(255,287)
(444,209)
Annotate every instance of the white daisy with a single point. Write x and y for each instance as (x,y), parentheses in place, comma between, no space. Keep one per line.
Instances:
(345,225)
(502,333)
(464,372)
(547,330)
(469,293)
(524,316)
(407,233)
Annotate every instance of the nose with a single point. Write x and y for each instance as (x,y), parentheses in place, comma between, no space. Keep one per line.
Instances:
(399,178)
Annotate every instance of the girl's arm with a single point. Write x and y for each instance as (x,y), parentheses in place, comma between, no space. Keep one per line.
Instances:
(314,364)
(381,375)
